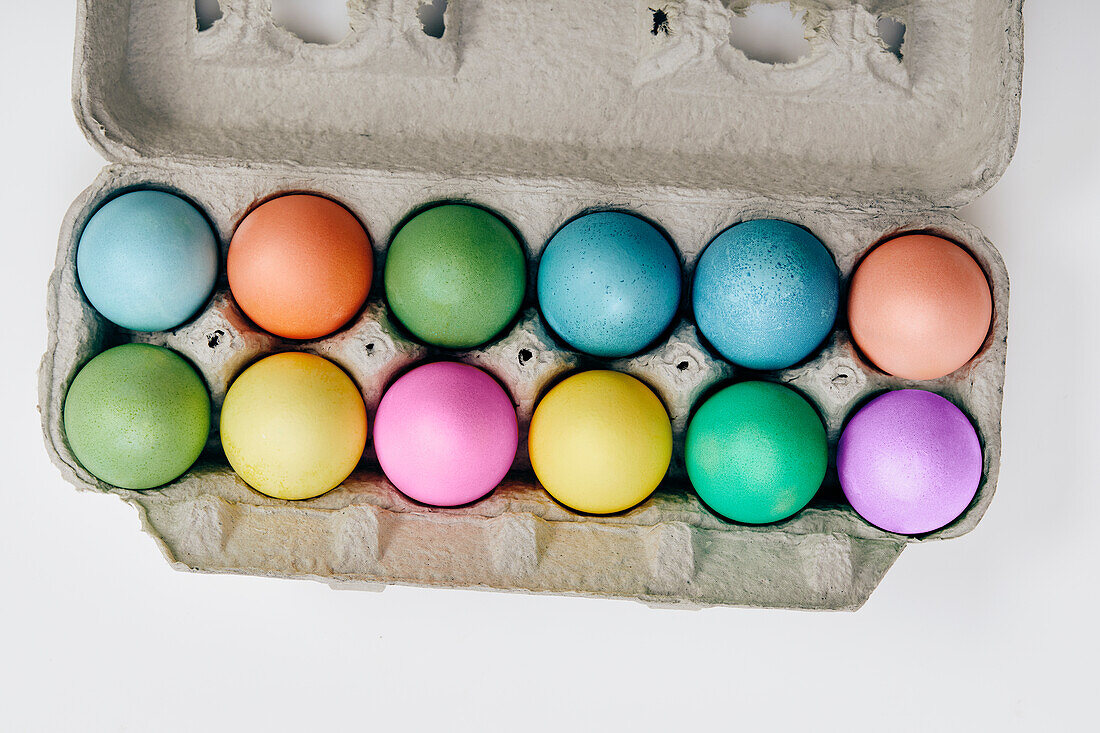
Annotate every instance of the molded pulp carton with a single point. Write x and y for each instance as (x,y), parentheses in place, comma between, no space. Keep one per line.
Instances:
(539,111)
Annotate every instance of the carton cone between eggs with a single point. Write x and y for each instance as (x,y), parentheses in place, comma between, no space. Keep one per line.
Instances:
(680,128)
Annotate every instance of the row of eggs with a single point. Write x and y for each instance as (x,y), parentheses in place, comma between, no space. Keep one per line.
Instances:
(294,426)
(765,293)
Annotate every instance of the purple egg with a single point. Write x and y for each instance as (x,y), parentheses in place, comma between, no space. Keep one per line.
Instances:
(909,461)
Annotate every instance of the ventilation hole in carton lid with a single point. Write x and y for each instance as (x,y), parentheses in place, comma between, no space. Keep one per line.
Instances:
(682,366)
(323,22)
(660,22)
(207,12)
(772,33)
(525,356)
(431,17)
(891,32)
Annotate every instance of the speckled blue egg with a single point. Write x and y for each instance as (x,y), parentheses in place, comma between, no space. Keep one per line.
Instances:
(765,293)
(147,260)
(609,283)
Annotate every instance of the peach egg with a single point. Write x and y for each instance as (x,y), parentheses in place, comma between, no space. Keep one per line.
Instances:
(919,306)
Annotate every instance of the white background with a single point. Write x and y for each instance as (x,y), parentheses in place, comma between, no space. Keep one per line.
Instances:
(996,630)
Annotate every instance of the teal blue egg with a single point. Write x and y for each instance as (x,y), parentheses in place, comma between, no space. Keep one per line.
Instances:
(609,283)
(765,293)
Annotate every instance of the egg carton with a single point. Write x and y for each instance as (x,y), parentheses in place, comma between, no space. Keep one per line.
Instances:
(539,112)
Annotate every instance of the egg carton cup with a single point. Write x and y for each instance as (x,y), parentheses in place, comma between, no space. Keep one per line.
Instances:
(681,129)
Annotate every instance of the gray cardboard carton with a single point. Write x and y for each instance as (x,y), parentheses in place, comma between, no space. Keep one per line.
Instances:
(540,111)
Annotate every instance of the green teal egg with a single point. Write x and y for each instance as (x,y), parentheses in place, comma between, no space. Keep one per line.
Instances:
(455,276)
(756,452)
(137,416)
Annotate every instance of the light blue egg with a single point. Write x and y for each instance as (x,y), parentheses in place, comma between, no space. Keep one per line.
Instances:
(765,293)
(147,260)
(609,283)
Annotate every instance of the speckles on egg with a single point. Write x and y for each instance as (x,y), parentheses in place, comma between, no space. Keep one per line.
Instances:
(765,293)
(609,283)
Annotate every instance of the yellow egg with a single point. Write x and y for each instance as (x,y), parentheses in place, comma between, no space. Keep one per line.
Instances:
(600,442)
(293,426)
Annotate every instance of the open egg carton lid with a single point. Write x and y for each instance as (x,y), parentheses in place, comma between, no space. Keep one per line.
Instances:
(539,110)
(631,93)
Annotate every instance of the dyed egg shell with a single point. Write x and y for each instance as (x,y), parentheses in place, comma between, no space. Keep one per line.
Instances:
(300,266)
(147,260)
(609,283)
(455,276)
(909,461)
(446,434)
(765,293)
(600,442)
(293,426)
(756,452)
(919,307)
(137,416)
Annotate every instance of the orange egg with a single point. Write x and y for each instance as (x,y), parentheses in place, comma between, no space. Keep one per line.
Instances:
(919,306)
(300,266)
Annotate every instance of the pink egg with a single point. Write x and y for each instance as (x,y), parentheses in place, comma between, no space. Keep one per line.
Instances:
(446,434)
